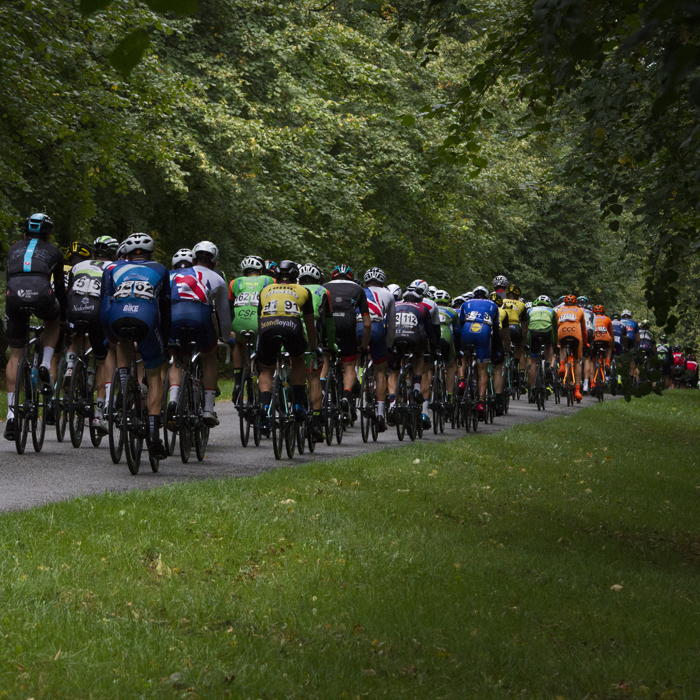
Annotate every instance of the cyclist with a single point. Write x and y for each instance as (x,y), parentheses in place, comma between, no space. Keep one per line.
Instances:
(517,317)
(646,339)
(457,303)
(244,296)
(663,352)
(347,299)
(281,308)
(571,329)
(678,364)
(450,340)
(198,298)
(271,268)
(691,371)
(542,332)
(382,314)
(604,336)
(136,306)
(32,263)
(396,291)
(632,328)
(414,327)
(619,334)
(84,293)
(182,259)
(500,286)
(310,277)
(498,359)
(480,321)
(588,365)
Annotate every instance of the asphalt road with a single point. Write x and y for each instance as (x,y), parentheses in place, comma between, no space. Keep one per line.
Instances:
(62,472)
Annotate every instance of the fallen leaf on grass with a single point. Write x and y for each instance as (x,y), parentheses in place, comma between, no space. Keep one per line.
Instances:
(369,672)
(616,587)
(286,501)
(58,655)
(409,670)
(416,461)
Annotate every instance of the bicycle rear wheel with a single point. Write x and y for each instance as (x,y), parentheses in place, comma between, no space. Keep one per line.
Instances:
(131,419)
(23,404)
(39,415)
(60,402)
(277,417)
(328,409)
(337,414)
(201,429)
(186,417)
(255,409)
(76,403)
(290,430)
(169,435)
(364,408)
(114,419)
(300,432)
(244,406)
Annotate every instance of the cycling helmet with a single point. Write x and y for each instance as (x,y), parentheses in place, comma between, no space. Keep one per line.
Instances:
(252,262)
(528,305)
(663,338)
(599,309)
(271,267)
(481,293)
(38,226)
(468,295)
(645,324)
(422,285)
(626,313)
(375,274)
(395,290)
(413,294)
(120,252)
(310,272)
(570,300)
(183,258)
(206,248)
(615,317)
(514,289)
(500,281)
(676,348)
(432,289)
(443,297)
(543,300)
(343,271)
(288,271)
(560,300)
(691,357)
(78,249)
(138,243)
(496,297)
(457,302)
(583,301)
(105,247)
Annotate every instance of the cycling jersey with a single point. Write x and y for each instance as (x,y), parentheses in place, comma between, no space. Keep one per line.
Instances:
(382,313)
(31,265)
(542,328)
(244,295)
(450,332)
(84,292)
(646,340)
(632,328)
(619,332)
(663,352)
(136,306)
(325,328)
(480,323)
(572,325)
(413,327)
(516,310)
(603,330)
(347,300)
(198,295)
(434,314)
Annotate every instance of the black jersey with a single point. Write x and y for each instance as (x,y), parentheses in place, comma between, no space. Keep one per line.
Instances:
(347,299)
(414,322)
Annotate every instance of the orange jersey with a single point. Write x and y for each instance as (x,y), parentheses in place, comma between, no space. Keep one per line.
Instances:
(603,330)
(571,323)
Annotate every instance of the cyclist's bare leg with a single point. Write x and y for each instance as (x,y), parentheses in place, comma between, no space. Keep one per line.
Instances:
(498,378)
(482,370)
(265,378)
(299,370)
(349,375)
(533,370)
(315,392)
(11,368)
(238,353)
(393,381)
(154,400)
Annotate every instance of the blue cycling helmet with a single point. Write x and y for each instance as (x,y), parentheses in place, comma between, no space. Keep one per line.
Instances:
(343,271)
(38,226)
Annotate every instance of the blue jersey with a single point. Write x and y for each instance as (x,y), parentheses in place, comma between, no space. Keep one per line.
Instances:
(632,328)
(477,311)
(480,323)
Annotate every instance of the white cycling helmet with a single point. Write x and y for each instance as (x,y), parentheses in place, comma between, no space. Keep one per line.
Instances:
(413,293)
(421,285)
(395,290)
(206,248)
(543,298)
(252,262)
(375,274)
(467,296)
(432,291)
(627,313)
(442,297)
(138,242)
(312,271)
(500,281)
(480,292)
(458,301)
(528,305)
(184,255)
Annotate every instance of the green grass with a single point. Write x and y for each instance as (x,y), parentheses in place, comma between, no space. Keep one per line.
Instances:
(481,568)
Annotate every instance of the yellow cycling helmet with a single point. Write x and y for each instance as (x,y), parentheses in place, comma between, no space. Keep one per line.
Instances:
(78,249)
(496,297)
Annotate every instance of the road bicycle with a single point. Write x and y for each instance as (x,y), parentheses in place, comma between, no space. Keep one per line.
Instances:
(569,378)
(248,401)
(32,400)
(368,401)
(60,400)
(507,386)
(281,410)
(408,416)
(490,405)
(539,391)
(438,395)
(470,399)
(331,400)
(599,375)
(81,399)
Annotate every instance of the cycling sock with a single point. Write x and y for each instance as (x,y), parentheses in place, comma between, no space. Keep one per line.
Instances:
(174,393)
(299,391)
(390,398)
(48,356)
(237,376)
(416,382)
(154,427)
(108,391)
(123,374)
(70,359)
(323,385)
(380,408)
(426,408)
(265,398)
(101,405)
(10,404)
(347,394)
(209,397)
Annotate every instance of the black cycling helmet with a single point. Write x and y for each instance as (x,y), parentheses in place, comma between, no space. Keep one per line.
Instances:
(105,247)
(615,317)
(271,267)
(38,226)
(676,348)
(287,271)
(343,271)
(78,249)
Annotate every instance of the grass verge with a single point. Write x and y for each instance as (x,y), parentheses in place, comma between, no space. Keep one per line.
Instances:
(557,560)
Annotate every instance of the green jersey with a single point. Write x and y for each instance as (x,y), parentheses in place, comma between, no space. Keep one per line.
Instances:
(319,296)
(449,324)
(243,297)
(542,319)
